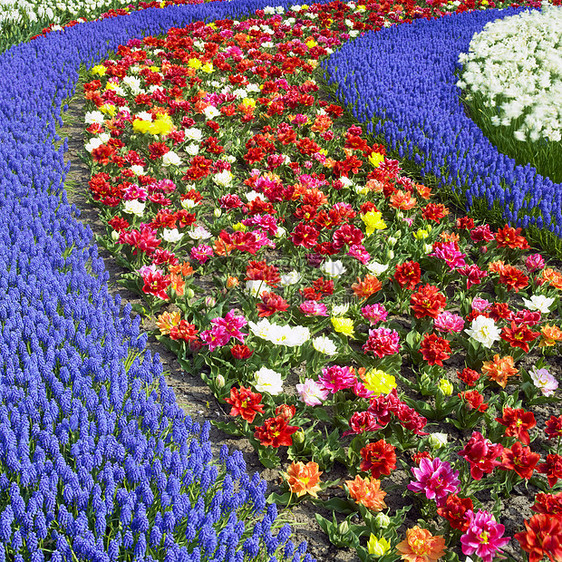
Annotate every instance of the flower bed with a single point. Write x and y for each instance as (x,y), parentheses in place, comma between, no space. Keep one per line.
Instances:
(333,303)
(21,20)
(98,462)
(422,117)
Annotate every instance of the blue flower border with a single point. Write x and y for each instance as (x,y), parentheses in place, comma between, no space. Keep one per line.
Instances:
(91,437)
(401,81)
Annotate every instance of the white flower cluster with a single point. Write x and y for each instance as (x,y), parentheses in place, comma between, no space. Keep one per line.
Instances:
(22,12)
(290,336)
(515,64)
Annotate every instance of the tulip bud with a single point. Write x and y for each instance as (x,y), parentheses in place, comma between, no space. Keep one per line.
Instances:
(343,528)
(219,381)
(427,248)
(189,293)
(391,241)
(377,547)
(390,254)
(210,302)
(298,437)
(445,387)
(232,282)
(114,235)
(437,440)
(217,212)
(382,520)
(425,381)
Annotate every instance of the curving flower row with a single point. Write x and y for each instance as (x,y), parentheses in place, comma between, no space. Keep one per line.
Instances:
(334,304)
(420,115)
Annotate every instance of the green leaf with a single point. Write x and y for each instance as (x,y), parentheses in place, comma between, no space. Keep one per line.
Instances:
(268,457)
(322,415)
(339,505)
(229,427)
(324,524)
(282,499)
(341,535)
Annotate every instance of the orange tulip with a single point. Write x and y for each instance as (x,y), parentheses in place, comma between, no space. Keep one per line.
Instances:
(421,546)
(303,478)
(367,492)
(500,369)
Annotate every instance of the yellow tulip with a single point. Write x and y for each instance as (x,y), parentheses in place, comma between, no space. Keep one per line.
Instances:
(376,159)
(343,325)
(141,126)
(373,221)
(99,70)
(377,547)
(379,382)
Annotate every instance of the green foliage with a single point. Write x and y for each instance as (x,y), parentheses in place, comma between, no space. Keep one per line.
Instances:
(543,155)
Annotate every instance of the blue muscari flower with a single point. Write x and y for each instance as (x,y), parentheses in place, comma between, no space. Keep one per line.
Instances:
(284,533)
(16,541)
(140,546)
(140,521)
(17,502)
(6,519)
(114,547)
(271,543)
(208,540)
(169,522)
(155,536)
(301,549)
(289,549)
(251,546)
(128,539)
(36,556)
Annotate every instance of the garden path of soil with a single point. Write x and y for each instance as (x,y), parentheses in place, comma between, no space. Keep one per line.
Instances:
(197,401)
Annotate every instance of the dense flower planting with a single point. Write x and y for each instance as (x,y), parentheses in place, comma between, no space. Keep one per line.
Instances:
(338,309)
(21,20)
(98,462)
(409,97)
(514,98)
